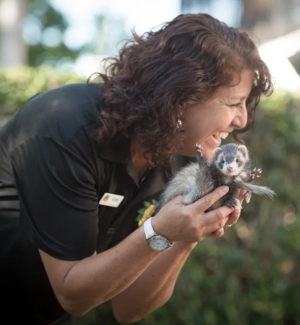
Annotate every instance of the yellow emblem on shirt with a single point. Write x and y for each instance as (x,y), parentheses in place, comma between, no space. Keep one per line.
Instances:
(146,212)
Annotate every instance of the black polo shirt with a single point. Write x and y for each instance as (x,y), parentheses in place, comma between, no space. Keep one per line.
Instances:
(52,177)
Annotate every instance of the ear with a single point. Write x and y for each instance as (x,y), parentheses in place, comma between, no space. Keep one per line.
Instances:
(216,152)
(243,149)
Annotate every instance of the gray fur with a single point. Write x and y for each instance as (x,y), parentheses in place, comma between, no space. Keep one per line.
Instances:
(190,183)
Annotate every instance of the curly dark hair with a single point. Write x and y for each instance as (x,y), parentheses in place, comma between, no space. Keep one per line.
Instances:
(187,60)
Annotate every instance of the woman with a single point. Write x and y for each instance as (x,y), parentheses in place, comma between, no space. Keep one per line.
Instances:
(79,162)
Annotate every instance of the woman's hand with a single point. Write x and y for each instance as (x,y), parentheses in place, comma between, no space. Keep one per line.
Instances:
(179,222)
(233,217)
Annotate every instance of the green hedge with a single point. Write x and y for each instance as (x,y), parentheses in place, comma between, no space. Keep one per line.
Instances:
(22,82)
(250,275)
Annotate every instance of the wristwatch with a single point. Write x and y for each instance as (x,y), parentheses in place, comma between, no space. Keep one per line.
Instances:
(155,241)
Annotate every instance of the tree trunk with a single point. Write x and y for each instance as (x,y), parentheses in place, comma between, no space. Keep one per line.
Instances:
(12,47)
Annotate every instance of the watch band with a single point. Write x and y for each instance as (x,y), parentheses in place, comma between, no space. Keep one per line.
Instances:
(148,229)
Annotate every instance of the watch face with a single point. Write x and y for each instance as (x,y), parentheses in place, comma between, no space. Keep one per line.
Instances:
(158,243)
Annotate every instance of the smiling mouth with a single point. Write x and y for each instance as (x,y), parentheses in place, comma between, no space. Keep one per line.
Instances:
(220,135)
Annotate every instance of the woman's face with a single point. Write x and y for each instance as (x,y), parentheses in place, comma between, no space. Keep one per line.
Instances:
(208,122)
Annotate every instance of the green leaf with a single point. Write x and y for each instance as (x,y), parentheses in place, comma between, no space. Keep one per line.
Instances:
(141,211)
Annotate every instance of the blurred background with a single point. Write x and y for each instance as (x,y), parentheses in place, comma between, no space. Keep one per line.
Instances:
(251,274)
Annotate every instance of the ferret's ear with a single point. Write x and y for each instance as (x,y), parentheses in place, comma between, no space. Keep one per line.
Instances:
(243,149)
(216,152)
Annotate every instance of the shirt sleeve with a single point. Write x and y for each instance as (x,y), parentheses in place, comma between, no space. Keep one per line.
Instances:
(58,197)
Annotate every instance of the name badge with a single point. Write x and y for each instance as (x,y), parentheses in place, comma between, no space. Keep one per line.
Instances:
(111,200)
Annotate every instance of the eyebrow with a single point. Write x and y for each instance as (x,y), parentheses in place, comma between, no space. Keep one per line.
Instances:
(239,98)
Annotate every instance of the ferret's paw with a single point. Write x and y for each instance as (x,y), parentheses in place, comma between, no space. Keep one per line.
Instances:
(199,150)
(255,173)
(248,197)
(232,203)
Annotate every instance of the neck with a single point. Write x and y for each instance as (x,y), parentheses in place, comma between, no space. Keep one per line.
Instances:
(140,163)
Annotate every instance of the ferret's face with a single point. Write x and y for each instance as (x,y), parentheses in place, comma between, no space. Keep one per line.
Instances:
(231,162)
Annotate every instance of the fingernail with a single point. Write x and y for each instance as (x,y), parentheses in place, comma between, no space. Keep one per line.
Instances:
(225,189)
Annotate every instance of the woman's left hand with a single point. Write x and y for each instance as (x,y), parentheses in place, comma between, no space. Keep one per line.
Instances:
(233,217)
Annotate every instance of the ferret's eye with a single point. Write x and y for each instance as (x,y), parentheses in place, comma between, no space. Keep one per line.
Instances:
(222,162)
(237,160)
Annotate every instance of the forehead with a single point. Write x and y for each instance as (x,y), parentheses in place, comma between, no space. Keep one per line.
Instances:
(229,152)
(241,88)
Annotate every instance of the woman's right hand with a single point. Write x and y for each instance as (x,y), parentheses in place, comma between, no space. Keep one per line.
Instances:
(179,222)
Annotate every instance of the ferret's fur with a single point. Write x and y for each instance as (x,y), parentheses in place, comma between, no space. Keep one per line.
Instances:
(229,166)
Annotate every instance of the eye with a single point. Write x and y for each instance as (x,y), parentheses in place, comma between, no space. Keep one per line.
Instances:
(235,105)
(222,161)
(237,160)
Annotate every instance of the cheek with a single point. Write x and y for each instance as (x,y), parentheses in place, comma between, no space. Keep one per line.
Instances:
(226,116)
(197,125)
(195,133)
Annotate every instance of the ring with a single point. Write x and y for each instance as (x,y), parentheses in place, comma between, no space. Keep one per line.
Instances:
(227,226)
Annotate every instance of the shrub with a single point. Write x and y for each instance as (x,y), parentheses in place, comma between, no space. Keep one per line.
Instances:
(20,83)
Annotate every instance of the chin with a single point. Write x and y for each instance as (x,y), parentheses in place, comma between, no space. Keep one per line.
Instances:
(209,145)
(208,152)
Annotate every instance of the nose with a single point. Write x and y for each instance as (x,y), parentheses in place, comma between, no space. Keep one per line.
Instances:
(229,169)
(240,120)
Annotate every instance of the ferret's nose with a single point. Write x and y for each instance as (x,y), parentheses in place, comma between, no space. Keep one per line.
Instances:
(229,169)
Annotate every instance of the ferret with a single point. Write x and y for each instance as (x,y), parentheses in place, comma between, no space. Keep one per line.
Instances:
(229,166)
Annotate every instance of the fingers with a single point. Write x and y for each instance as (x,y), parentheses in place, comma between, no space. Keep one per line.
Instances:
(208,200)
(218,233)
(215,219)
(233,217)
(192,222)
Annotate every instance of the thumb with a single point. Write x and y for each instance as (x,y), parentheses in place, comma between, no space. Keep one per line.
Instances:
(208,200)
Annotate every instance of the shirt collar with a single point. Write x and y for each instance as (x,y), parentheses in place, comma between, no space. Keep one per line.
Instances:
(119,152)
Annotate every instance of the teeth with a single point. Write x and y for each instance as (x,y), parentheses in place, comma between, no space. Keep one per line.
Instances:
(222,135)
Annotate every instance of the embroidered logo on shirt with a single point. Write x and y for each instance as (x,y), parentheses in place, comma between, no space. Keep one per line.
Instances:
(148,211)
(111,200)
